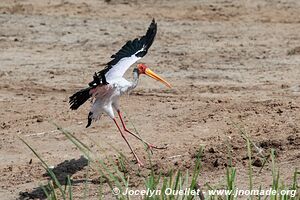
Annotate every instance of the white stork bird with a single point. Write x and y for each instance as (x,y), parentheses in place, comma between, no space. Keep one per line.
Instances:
(108,84)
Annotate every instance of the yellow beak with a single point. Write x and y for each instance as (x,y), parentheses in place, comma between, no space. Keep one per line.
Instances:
(151,74)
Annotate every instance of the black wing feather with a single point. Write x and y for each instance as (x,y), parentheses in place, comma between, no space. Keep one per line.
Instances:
(130,48)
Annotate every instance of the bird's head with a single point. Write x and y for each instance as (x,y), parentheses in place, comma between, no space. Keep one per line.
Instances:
(143,69)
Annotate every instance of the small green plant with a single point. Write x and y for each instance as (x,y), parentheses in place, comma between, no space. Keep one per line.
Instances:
(50,190)
(116,177)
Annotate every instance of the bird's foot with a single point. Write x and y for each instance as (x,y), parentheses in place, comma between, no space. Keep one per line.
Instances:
(152,146)
(140,164)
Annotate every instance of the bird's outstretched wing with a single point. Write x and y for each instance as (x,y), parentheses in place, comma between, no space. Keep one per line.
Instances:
(131,52)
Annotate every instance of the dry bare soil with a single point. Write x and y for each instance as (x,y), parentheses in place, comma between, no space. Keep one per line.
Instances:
(231,63)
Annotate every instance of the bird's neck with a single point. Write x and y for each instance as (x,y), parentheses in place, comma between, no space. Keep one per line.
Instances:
(135,80)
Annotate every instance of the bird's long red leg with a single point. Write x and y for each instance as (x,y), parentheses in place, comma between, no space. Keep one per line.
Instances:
(150,146)
(136,157)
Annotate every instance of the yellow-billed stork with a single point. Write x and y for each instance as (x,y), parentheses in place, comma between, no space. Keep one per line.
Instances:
(108,84)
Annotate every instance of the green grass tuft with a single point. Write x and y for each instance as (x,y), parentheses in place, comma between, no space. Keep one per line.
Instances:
(116,176)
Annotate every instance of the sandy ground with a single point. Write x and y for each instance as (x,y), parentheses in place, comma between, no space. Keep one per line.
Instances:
(230,63)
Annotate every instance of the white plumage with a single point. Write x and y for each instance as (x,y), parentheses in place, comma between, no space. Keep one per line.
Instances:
(106,97)
(120,68)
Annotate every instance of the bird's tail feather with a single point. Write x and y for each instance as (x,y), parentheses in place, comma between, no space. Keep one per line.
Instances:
(93,116)
(90,119)
(79,98)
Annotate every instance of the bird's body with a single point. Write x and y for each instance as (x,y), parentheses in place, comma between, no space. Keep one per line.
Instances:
(106,97)
(109,84)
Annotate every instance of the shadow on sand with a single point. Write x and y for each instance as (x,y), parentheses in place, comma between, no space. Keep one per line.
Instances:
(61,171)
